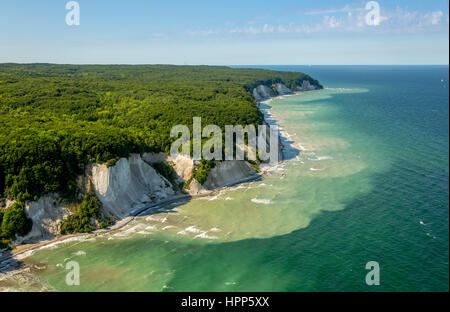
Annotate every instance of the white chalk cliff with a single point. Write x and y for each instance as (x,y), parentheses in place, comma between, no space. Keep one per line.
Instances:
(306,86)
(227,173)
(263,92)
(47,215)
(128,186)
(282,89)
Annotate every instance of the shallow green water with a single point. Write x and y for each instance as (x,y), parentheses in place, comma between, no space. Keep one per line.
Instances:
(370,184)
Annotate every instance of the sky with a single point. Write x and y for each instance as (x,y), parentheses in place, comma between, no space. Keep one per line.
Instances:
(244,32)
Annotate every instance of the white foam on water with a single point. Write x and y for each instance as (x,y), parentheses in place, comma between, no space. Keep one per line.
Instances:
(204,235)
(87,239)
(24,255)
(271,168)
(341,89)
(193,229)
(79,253)
(323,158)
(51,246)
(238,187)
(144,233)
(205,198)
(261,201)
(120,234)
(157,219)
(133,229)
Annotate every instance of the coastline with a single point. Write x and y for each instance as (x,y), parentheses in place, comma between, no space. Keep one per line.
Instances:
(23,251)
(269,116)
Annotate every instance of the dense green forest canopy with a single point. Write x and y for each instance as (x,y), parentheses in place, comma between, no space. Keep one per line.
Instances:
(55,119)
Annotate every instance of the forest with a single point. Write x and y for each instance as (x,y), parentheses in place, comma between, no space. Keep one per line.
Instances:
(55,119)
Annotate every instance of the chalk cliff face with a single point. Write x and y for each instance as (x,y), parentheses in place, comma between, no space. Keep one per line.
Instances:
(47,216)
(183,165)
(263,92)
(227,173)
(128,186)
(306,86)
(282,89)
(132,183)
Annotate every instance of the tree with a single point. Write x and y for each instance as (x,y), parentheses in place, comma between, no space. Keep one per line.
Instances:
(15,221)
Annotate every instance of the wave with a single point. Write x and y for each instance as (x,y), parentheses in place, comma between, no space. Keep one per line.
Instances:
(323,158)
(145,233)
(192,229)
(205,236)
(261,201)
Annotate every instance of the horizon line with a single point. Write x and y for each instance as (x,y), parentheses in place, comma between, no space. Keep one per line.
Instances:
(174,64)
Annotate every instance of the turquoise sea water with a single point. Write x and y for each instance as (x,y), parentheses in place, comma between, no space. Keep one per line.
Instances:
(370,184)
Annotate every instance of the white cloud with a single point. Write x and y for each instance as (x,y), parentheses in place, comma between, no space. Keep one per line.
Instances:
(434,17)
(398,20)
(331,21)
(345,9)
(268,29)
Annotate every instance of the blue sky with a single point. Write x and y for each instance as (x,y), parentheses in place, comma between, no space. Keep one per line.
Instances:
(244,32)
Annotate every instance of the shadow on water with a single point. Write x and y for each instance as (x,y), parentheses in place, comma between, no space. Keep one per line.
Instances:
(163,207)
(7,263)
(332,252)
